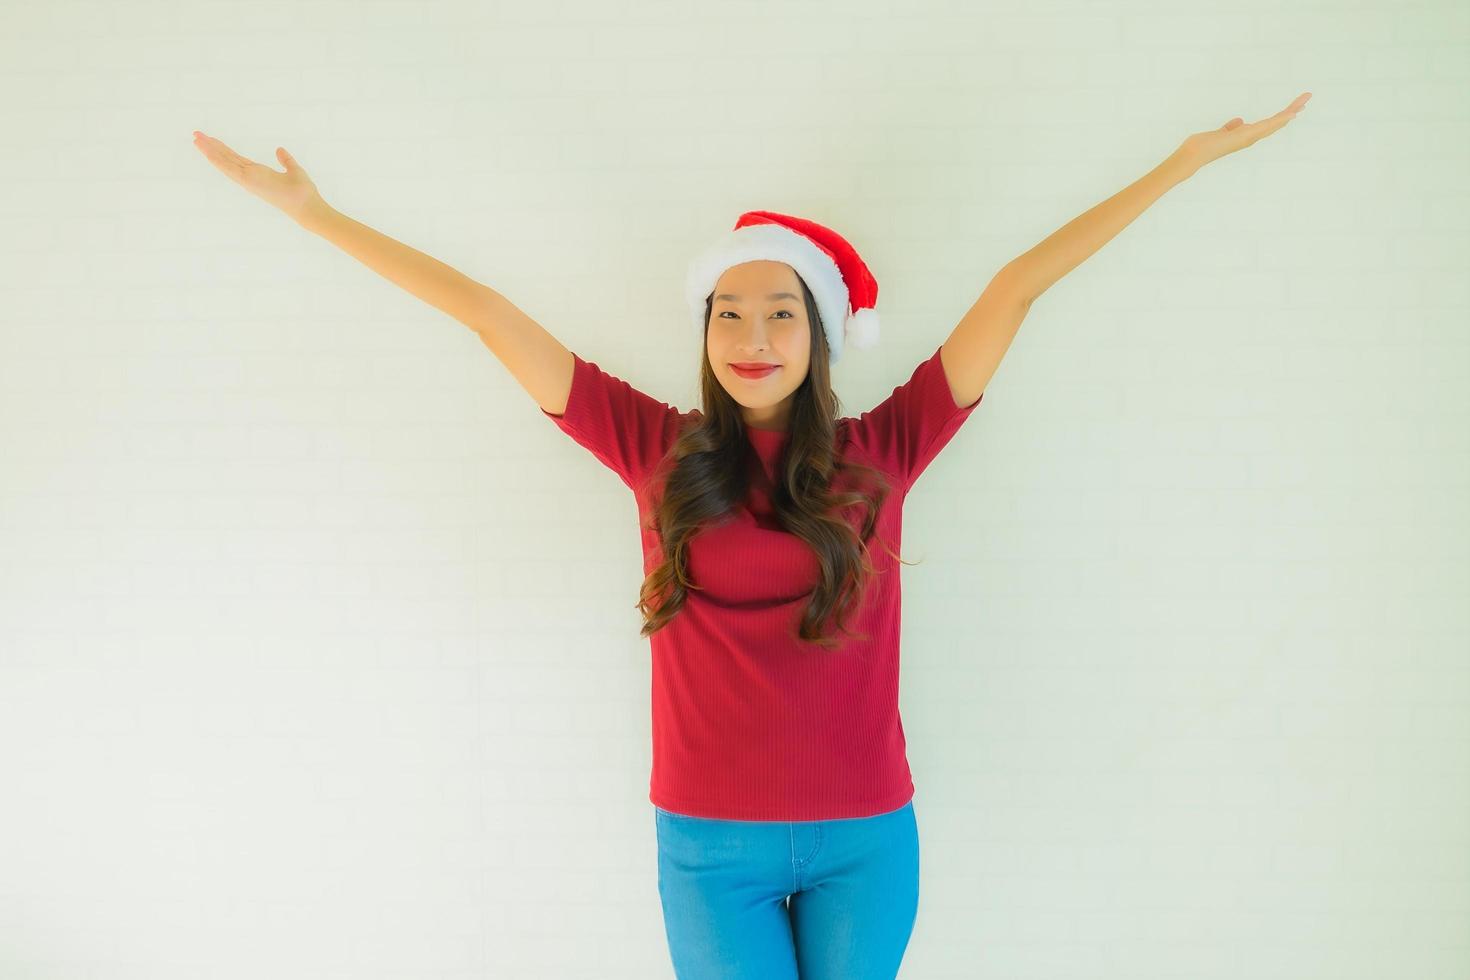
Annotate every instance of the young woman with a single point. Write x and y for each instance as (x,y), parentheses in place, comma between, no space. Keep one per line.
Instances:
(787,841)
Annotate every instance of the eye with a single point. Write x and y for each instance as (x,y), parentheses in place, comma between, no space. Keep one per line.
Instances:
(733,313)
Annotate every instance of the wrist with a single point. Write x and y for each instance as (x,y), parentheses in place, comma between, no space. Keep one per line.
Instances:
(314,213)
(1180,165)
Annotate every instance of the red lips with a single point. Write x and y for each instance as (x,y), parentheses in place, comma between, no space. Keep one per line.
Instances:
(749,369)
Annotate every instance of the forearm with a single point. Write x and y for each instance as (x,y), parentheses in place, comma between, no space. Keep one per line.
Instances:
(437,284)
(1033,272)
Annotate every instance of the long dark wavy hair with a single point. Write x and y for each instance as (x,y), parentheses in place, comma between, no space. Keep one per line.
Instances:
(708,478)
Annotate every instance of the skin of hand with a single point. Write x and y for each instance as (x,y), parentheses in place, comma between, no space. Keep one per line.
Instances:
(292,192)
(1199,149)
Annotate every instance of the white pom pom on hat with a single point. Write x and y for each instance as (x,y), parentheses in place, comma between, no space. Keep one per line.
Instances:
(840,282)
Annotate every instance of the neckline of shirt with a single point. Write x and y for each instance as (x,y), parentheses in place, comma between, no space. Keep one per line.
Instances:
(766,441)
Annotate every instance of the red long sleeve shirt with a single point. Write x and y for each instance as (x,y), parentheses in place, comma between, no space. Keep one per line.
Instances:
(748,722)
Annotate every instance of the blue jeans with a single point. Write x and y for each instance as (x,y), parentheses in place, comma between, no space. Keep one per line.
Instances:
(775,900)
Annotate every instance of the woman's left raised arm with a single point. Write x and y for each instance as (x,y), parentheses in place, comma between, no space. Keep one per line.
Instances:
(977,344)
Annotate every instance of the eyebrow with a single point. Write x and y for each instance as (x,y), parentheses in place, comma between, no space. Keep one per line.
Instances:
(736,299)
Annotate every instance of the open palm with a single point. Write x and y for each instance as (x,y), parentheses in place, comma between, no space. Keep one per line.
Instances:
(1202,148)
(291,191)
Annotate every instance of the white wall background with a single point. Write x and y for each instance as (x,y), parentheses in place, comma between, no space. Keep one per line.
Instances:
(318,655)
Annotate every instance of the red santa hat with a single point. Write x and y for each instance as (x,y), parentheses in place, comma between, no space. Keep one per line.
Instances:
(840,282)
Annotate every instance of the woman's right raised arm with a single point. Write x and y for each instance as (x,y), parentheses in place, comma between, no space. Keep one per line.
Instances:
(536,359)
(531,354)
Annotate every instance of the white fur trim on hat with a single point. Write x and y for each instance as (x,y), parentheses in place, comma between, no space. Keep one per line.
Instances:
(777,243)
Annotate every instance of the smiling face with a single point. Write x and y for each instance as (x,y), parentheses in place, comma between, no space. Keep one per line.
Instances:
(749,323)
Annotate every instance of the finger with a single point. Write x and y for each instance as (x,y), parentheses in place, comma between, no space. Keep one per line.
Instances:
(228,164)
(1267,126)
(1289,113)
(228,155)
(212,155)
(1280,119)
(215,152)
